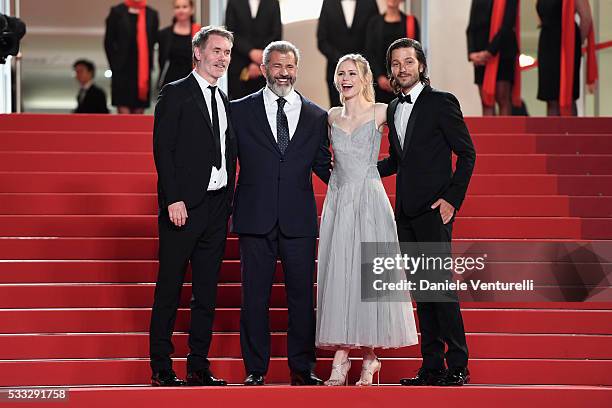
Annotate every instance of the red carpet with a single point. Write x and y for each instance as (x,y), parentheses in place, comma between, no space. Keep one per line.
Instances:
(77,270)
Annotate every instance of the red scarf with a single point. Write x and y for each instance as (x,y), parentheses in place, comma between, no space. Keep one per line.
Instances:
(410,27)
(490,77)
(142,43)
(568,44)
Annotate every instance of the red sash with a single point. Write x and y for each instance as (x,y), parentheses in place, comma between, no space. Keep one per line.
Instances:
(568,33)
(490,77)
(410,27)
(143,47)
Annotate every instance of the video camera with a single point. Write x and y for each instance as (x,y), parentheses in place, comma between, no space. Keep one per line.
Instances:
(12,31)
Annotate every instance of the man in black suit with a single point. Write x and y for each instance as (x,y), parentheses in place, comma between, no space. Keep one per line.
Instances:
(255,24)
(91,98)
(195,155)
(342,30)
(282,139)
(425,126)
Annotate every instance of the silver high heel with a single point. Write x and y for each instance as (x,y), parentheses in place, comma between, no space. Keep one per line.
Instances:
(342,374)
(367,373)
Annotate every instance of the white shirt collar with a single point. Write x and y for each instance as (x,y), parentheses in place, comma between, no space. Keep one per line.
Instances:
(203,83)
(416,91)
(270,97)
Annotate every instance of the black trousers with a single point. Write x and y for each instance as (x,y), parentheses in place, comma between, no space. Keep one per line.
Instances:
(202,241)
(258,256)
(440,323)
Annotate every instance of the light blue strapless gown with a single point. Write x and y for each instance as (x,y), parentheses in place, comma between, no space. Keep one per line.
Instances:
(357,210)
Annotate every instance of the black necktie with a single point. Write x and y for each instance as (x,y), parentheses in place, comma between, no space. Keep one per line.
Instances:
(404,98)
(282,126)
(81,95)
(215,124)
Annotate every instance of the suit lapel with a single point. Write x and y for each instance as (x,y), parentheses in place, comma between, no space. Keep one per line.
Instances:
(259,111)
(416,109)
(340,11)
(196,92)
(391,125)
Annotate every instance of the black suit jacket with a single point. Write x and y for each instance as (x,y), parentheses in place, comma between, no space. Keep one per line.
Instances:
(183,145)
(424,167)
(335,39)
(251,33)
(274,188)
(93,102)
(479,26)
(119,33)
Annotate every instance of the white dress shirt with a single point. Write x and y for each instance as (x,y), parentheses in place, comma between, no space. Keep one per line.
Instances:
(218,177)
(403,111)
(254,6)
(292,109)
(348,8)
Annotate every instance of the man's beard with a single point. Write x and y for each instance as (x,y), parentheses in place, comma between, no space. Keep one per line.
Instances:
(411,82)
(280,90)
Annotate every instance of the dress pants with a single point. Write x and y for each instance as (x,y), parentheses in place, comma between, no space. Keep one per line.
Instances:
(440,322)
(202,241)
(258,256)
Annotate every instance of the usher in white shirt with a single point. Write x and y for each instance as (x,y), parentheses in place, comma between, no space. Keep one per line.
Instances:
(254,6)
(218,177)
(292,109)
(348,8)
(403,111)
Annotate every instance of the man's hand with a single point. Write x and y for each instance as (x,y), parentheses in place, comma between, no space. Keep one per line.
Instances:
(384,84)
(446,210)
(178,213)
(254,71)
(256,55)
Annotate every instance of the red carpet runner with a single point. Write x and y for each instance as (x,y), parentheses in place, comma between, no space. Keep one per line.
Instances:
(77,269)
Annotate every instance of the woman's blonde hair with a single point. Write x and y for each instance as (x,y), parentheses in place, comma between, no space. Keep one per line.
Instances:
(363,72)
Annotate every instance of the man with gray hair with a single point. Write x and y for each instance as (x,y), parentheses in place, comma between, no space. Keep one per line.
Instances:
(195,156)
(282,138)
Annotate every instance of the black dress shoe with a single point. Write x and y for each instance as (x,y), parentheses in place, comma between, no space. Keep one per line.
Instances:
(455,377)
(203,378)
(166,378)
(254,379)
(305,378)
(425,376)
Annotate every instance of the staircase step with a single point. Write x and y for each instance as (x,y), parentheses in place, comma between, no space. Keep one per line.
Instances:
(479,317)
(481,184)
(358,397)
(135,271)
(228,295)
(136,345)
(126,141)
(146,226)
(143,162)
(137,371)
(146,204)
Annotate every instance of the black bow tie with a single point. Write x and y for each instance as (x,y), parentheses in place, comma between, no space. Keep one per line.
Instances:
(404,98)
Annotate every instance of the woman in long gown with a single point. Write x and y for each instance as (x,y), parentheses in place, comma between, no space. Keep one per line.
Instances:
(357,210)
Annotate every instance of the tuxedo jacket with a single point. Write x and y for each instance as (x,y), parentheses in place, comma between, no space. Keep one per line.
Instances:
(272,187)
(94,101)
(183,145)
(119,33)
(424,166)
(251,33)
(334,38)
